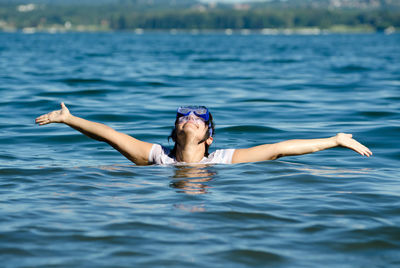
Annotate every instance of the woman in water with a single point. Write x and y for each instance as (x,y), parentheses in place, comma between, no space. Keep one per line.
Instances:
(193,134)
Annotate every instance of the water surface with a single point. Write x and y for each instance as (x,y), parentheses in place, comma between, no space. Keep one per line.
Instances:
(68,201)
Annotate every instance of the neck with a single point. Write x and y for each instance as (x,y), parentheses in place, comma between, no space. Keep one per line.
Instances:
(190,152)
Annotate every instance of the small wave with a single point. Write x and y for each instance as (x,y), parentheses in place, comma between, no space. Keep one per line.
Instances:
(269,100)
(367,245)
(251,129)
(351,68)
(378,114)
(279,61)
(383,237)
(385,131)
(113,118)
(23,104)
(15,252)
(393,98)
(75,81)
(142,84)
(98,54)
(130,253)
(118,84)
(242,215)
(250,256)
(23,173)
(205,60)
(89,92)
(139,225)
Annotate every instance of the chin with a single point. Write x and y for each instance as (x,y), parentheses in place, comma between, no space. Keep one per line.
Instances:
(190,126)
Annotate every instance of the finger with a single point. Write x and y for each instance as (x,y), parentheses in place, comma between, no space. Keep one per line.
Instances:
(358,150)
(362,150)
(357,147)
(44,116)
(368,153)
(364,153)
(63,105)
(41,117)
(365,149)
(43,122)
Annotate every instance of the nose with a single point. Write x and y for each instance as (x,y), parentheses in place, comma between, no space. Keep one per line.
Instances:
(192,116)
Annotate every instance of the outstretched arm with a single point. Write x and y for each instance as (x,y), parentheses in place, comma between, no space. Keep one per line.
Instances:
(135,150)
(297,147)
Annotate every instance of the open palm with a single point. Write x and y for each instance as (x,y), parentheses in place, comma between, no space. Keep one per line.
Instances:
(58,116)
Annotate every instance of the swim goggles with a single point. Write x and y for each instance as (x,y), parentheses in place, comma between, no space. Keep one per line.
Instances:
(201,115)
(199,111)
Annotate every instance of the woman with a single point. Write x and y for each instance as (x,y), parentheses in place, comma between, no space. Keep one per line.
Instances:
(193,134)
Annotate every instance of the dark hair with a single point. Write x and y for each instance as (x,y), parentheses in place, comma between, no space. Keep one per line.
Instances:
(209,123)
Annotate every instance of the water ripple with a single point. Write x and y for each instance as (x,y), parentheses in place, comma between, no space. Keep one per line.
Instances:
(68,201)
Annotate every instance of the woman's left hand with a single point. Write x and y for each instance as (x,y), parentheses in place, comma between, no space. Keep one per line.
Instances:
(346,140)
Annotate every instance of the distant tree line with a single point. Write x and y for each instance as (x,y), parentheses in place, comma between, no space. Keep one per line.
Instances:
(118,18)
(255,19)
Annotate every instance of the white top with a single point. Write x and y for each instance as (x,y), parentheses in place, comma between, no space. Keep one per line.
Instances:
(159,155)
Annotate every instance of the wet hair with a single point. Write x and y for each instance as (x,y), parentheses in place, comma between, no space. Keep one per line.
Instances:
(209,123)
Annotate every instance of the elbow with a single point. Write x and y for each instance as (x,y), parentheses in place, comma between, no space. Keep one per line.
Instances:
(277,151)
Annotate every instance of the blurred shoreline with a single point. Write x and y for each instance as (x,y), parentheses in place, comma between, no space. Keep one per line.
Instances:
(339,29)
(191,16)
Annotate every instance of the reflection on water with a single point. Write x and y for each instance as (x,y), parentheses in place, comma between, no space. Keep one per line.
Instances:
(192,179)
(327,171)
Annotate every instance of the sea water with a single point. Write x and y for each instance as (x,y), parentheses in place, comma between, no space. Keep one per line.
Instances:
(69,201)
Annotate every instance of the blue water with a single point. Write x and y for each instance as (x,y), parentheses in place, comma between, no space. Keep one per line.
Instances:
(69,201)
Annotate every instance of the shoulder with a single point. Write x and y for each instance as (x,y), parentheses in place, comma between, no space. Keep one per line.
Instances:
(222,156)
(160,155)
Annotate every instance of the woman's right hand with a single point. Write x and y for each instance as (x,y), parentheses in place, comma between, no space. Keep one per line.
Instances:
(58,116)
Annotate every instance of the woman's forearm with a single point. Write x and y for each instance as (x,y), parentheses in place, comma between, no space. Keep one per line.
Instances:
(280,149)
(299,147)
(91,129)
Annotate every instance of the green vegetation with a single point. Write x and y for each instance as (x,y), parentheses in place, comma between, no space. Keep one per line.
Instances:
(200,17)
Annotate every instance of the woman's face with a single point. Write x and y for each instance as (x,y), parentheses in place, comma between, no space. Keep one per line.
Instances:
(191,125)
